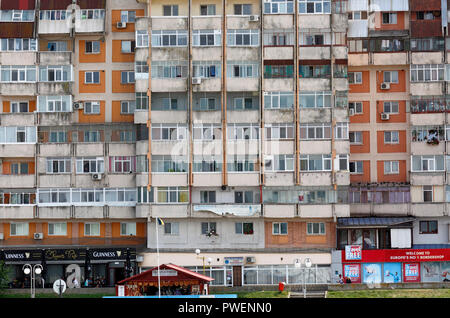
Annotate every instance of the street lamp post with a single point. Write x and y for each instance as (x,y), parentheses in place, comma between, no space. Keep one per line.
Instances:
(32,271)
(209,260)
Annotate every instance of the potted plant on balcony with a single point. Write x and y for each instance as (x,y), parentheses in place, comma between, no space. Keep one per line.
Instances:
(211,233)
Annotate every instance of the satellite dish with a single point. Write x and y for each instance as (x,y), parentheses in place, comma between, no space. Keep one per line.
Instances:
(308,262)
(297,263)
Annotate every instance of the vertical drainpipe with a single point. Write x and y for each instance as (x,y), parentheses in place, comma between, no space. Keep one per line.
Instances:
(296,96)
(224,95)
(189,85)
(149,95)
(332,112)
(261,108)
(444,18)
(37,114)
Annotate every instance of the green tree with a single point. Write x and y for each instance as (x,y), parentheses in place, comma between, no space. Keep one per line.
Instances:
(4,278)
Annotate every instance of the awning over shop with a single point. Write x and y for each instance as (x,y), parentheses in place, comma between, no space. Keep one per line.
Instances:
(374,222)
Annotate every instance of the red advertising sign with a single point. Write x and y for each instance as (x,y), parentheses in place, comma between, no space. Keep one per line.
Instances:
(411,272)
(402,255)
(352,271)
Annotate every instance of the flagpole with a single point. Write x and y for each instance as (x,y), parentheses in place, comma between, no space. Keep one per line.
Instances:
(157,256)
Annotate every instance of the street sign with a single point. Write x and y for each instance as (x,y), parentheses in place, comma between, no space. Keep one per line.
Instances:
(59,286)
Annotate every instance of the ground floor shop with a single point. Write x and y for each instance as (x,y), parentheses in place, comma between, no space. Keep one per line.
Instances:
(241,269)
(89,267)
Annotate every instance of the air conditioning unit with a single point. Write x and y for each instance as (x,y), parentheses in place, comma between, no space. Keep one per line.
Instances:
(385,85)
(196,80)
(96,176)
(250,259)
(38,236)
(254,18)
(351,111)
(121,25)
(384,116)
(78,105)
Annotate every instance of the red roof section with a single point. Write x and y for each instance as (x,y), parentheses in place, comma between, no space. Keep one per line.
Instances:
(147,275)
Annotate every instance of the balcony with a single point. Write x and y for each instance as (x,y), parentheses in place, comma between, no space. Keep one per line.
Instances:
(427,178)
(12,150)
(89,149)
(315,53)
(55,88)
(278,116)
(418,119)
(54,180)
(18,89)
(237,84)
(315,178)
(17,212)
(279,52)
(57,119)
(243,179)
(208,85)
(17,181)
(56,149)
(322,210)
(54,26)
(279,178)
(426,28)
(385,209)
(428,209)
(429,88)
(162,179)
(280,210)
(423,148)
(243,53)
(163,210)
(427,57)
(358,59)
(229,210)
(207,179)
(17,119)
(10,58)
(169,23)
(55,58)
(390,58)
(279,84)
(119,180)
(168,85)
(242,147)
(315,115)
(89,25)
(243,116)
(314,84)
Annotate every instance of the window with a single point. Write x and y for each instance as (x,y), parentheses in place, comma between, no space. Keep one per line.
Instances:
(57,229)
(122,164)
(278,100)
(19,107)
(206,69)
(92,47)
(206,37)
(428,227)
(427,163)
(356,167)
(92,108)
(57,46)
(128,229)
(171,228)
(92,14)
(315,131)
(242,131)
(168,132)
(141,68)
(315,39)
(356,106)
(427,193)
(243,197)
(128,16)
(243,103)
(239,163)
(244,37)
(242,9)
(92,136)
(242,69)
(61,73)
(389,18)
(208,228)
(127,46)
(278,71)
(53,15)
(206,104)
(319,99)
(169,38)
(355,77)
(59,165)
(12,74)
(141,100)
(355,137)
(243,228)
(169,69)
(316,228)
(281,37)
(170,10)
(279,163)
(427,72)
(208,9)
(207,196)
(424,15)
(278,6)
(54,103)
(90,165)
(341,130)
(126,77)
(207,163)
(92,77)
(18,168)
(427,44)
(279,131)
(11,134)
(390,107)
(357,15)
(430,134)
(19,229)
(169,163)
(315,162)
(390,77)
(12,44)
(57,136)
(142,39)
(280,228)
(391,137)
(314,6)
(207,132)
(92,229)
(391,167)
(172,195)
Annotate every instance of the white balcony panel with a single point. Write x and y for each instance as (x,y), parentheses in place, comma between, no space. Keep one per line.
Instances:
(315,146)
(142,147)
(279,210)
(281,147)
(208,53)
(141,116)
(239,23)
(279,53)
(342,177)
(315,53)
(172,23)
(89,149)
(316,115)
(17,212)
(18,89)
(17,181)
(89,212)
(427,209)
(55,150)
(208,148)
(278,21)
(121,149)
(315,178)
(243,179)
(317,21)
(121,212)
(206,23)
(243,116)
(279,84)
(213,117)
(399,58)
(342,210)
(242,84)
(59,213)
(315,211)
(242,147)
(205,179)
(390,209)
(342,146)
(229,210)
(421,89)
(422,148)
(120,180)
(11,58)
(243,53)
(314,84)
(208,85)
(89,25)
(170,210)
(55,58)
(17,119)
(162,116)
(278,116)
(168,179)
(425,178)
(54,26)
(56,119)
(175,148)
(427,57)
(340,52)
(358,59)
(418,119)
(85,181)
(14,150)
(54,180)
(169,85)
(340,84)
(168,54)
(279,178)
(48,88)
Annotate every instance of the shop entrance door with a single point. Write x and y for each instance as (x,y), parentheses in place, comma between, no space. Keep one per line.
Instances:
(237,276)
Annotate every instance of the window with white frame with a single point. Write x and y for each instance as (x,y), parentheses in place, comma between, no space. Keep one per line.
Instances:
(355,137)
(54,103)
(57,136)
(315,228)
(171,228)
(357,107)
(207,132)
(12,74)
(314,6)
(427,72)
(127,46)
(127,107)
(11,134)
(354,77)
(320,99)
(427,163)
(245,228)
(242,131)
(278,6)
(59,165)
(206,37)
(207,9)
(53,15)
(279,228)
(57,46)
(127,77)
(91,229)
(278,100)
(207,196)
(169,163)
(390,77)
(19,198)
(243,103)
(92,47)
(278,37)
(59,229)
(391,137)
(128,228)
(242,9)
(391,167)
(243,37)
(315,131)
(206,103)
(169,38)
(279,131)
(169,132)
(172,194)
(242,69)
(169,69)
(142,38)
(390,107)
(240,163)
(141,69)
(356,167)
(92,77)
(170,10)
(206,163)
(92,108)
(427,191)
(60,73)
(19,107)
(17,15)
(18,229)
(206,69)
(315,162)
(90,165)
(122,164)
(341,130)
(18,44)
(389,18)
(91,14)
(91,136)
(279,163)
(128,16)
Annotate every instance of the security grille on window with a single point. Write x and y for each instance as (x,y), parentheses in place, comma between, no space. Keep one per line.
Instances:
(90,165)
(92,77)
(142,38)
(92,108)
(92,47)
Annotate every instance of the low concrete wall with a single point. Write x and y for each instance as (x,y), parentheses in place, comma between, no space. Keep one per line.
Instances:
(344,287)
(105,291)
(219,289)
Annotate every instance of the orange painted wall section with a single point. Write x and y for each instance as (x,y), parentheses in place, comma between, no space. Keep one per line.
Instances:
(364,117)
(389,148)
(363,177)
(91,88)
(115,17)
(364,87)
(94,118)
(117,117)
(7,106)
(400,177)
(400,22)
(364,147)
(118,56)
(92,57)
(394,88)
(118,87)
(393,118)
